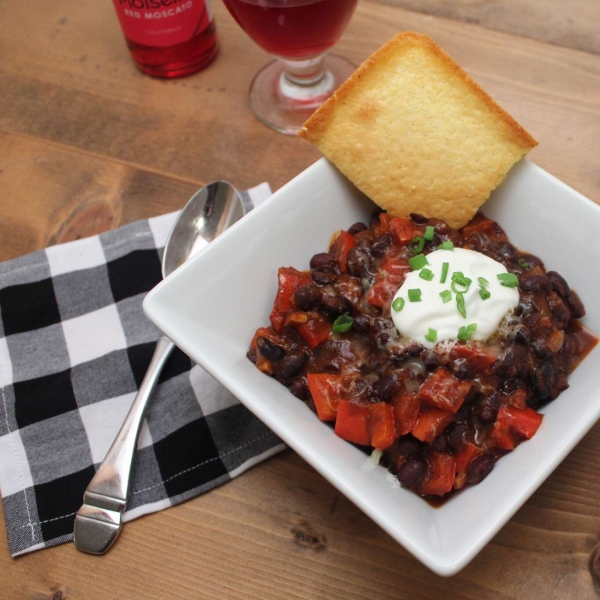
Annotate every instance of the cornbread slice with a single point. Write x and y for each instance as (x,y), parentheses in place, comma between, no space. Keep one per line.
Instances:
(415,133)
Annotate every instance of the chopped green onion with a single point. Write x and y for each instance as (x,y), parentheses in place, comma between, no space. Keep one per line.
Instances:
(426,274)
(445,267)
(460,305)
(398,304)
(431,335)
(342,324)
(429,232)
(416,245)
(508,280)
(461,282)
(483,281)
(523,263)
(485,294)
(446,296)
(414,295)
(446,245)
(417,262)
(465,332)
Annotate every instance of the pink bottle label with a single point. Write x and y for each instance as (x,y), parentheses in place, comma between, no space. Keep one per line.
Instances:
(162,22)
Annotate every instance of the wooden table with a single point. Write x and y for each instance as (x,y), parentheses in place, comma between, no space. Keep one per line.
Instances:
(88,143)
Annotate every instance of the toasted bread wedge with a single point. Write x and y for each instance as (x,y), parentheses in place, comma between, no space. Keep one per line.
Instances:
(415,133)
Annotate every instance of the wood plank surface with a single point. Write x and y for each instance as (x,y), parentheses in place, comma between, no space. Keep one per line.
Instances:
(573,24)
(87,142)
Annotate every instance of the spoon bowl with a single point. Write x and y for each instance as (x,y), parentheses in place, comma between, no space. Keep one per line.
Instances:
(98,522)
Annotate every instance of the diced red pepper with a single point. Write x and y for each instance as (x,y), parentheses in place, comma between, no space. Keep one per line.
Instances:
(384,223)
(315,331)
(402,230)
(513,422)
(518,398)
(444,391)
(341,247)
(396,268)
(523,422)
(431,423)
(381,425)
(479,358)
(325,391)
(406,412)
(465,457)
(380,293)
(440,478)
(481,224)
(352,422)
(290,280)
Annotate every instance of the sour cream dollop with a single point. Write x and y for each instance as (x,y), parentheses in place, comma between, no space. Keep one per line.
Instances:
(416,318)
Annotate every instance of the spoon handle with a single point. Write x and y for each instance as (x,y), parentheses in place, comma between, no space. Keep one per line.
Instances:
(98,521)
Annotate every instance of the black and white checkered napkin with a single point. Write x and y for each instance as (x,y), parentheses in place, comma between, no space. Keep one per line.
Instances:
(74,347)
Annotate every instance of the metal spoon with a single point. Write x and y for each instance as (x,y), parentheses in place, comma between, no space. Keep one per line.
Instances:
(208,213)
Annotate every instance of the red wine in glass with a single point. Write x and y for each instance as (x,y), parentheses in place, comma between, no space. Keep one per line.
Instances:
(299,33)
(293,28)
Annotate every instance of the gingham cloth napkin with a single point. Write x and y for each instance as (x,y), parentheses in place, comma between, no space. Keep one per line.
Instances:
(74,347)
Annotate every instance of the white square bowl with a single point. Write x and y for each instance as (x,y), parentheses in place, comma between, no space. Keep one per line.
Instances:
(211,307)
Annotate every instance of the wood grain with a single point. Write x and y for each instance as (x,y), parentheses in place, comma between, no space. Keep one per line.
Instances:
(87,142)
(572,24)
(52,194)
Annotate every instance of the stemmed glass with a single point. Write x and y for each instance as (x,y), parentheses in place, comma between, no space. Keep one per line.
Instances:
(298,33)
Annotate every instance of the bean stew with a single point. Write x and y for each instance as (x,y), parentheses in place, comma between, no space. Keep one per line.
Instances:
(440,418)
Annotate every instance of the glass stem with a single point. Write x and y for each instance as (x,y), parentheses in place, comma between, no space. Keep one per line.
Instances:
(306,71)
(305,80)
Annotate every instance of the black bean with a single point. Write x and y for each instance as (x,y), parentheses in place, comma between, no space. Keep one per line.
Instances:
(357,228)
(323,259)
(560,311)
(513,362)
(412,470)
(388,385)
(456,433)
(480,468)
(307,297)
(381,324)
(357,262)
(323,277)
(462,369)
(362,324)
(440,444)
(543,377)
(300,389)
(419,219)
(535,283)
(559,285)
(292,364)
(430,359)
(381,244)
(507,250)
(520,334)
(531,260)
(334,306)
(408,445)
(575,305)
(361,388)
(269,350)
(400,351)
(486,409)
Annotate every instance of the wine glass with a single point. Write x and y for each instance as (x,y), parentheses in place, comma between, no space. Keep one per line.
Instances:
(298,33)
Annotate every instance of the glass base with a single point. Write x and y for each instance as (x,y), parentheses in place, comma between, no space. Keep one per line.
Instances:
(283,104)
